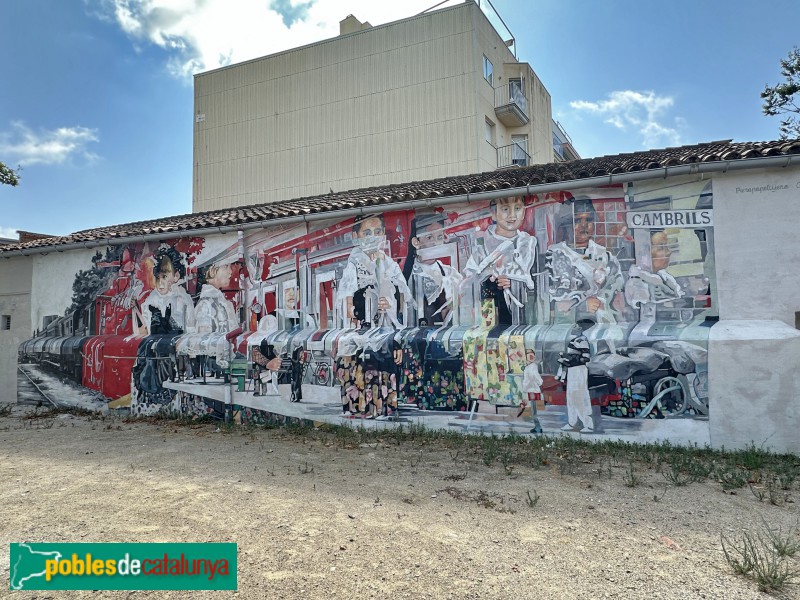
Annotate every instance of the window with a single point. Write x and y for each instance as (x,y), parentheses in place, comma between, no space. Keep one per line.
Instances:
(5,323)
(487,70)
(516,93)
(490,132)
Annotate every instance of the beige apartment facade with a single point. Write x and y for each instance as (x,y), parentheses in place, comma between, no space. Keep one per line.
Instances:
(435,95)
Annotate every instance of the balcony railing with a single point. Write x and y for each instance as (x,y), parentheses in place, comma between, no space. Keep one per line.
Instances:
(511,105)
(562,144)
(513,155)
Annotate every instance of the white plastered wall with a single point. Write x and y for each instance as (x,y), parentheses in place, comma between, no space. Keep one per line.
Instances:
(754,351)
(15,302)
(51,289)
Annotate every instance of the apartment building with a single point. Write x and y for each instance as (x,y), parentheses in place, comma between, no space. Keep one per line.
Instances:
(434,95)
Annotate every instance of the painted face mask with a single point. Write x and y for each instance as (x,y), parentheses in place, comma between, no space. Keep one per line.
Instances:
(370,243)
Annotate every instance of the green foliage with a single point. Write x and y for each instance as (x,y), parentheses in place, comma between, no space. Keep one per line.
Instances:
(8,176)
(630,477)
(783,98)
(731,477)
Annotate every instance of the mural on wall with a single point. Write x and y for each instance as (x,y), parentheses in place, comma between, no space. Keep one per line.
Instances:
(574,310)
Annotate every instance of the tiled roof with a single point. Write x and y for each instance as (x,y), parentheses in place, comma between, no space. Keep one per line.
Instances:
(435,188)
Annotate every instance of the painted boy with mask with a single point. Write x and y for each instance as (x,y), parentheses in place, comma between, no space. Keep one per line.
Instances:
(367,358)
(371,280)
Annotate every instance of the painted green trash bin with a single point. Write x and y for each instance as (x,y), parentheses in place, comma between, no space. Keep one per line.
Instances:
(238,370)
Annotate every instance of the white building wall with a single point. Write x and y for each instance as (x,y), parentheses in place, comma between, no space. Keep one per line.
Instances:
(15,302)
(47,298)
(757,213)
(541,145)
(754,351)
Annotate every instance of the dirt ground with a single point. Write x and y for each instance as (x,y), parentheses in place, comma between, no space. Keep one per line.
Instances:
(329,520)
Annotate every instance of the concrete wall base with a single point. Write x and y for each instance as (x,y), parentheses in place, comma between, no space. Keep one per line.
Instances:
(754,381)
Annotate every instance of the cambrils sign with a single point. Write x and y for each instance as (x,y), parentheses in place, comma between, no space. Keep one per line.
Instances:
(660,219)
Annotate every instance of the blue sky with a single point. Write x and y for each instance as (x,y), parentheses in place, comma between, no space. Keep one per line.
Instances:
(96,98)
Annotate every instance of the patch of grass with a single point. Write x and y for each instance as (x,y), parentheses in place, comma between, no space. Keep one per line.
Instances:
(630,477)
(763,558)
(731,477)
(778,495)
(753,458)
(565,454)
(676,475)
(758,492)
(785,544)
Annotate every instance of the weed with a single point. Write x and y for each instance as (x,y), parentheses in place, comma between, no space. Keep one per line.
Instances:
(697,469)
(675,475)
(305,469)
(777,495)
(568,464)
(786,545)
(532,500)
(657,498)
(5,409)
(731,478)
(787,473)
(482,498)
(759,493)
(491,449)
(630,478)
(752,458)
(757,557)
(539,458)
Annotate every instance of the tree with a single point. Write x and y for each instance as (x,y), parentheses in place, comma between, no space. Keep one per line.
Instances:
(783,98)
(8,176)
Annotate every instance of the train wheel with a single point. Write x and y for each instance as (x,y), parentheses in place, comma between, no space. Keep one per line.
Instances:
(672,395)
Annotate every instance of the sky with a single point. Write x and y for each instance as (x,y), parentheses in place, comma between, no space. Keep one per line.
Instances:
(96,99)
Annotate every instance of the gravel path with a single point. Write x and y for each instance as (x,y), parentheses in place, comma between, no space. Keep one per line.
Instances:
(313,519)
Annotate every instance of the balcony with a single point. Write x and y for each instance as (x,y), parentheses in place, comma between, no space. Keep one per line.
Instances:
(562,144)
(511,105)
(513,155)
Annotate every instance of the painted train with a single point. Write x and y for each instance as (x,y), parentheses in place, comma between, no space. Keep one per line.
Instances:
(506,302)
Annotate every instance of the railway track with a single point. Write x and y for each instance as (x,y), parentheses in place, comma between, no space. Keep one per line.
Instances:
(36,386)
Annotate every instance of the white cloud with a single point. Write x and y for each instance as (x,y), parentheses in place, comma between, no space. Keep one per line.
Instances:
(23,146)
(642,112)
(200,35)
(8,232)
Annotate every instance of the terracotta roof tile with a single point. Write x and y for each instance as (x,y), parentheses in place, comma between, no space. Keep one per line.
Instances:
(435,188)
